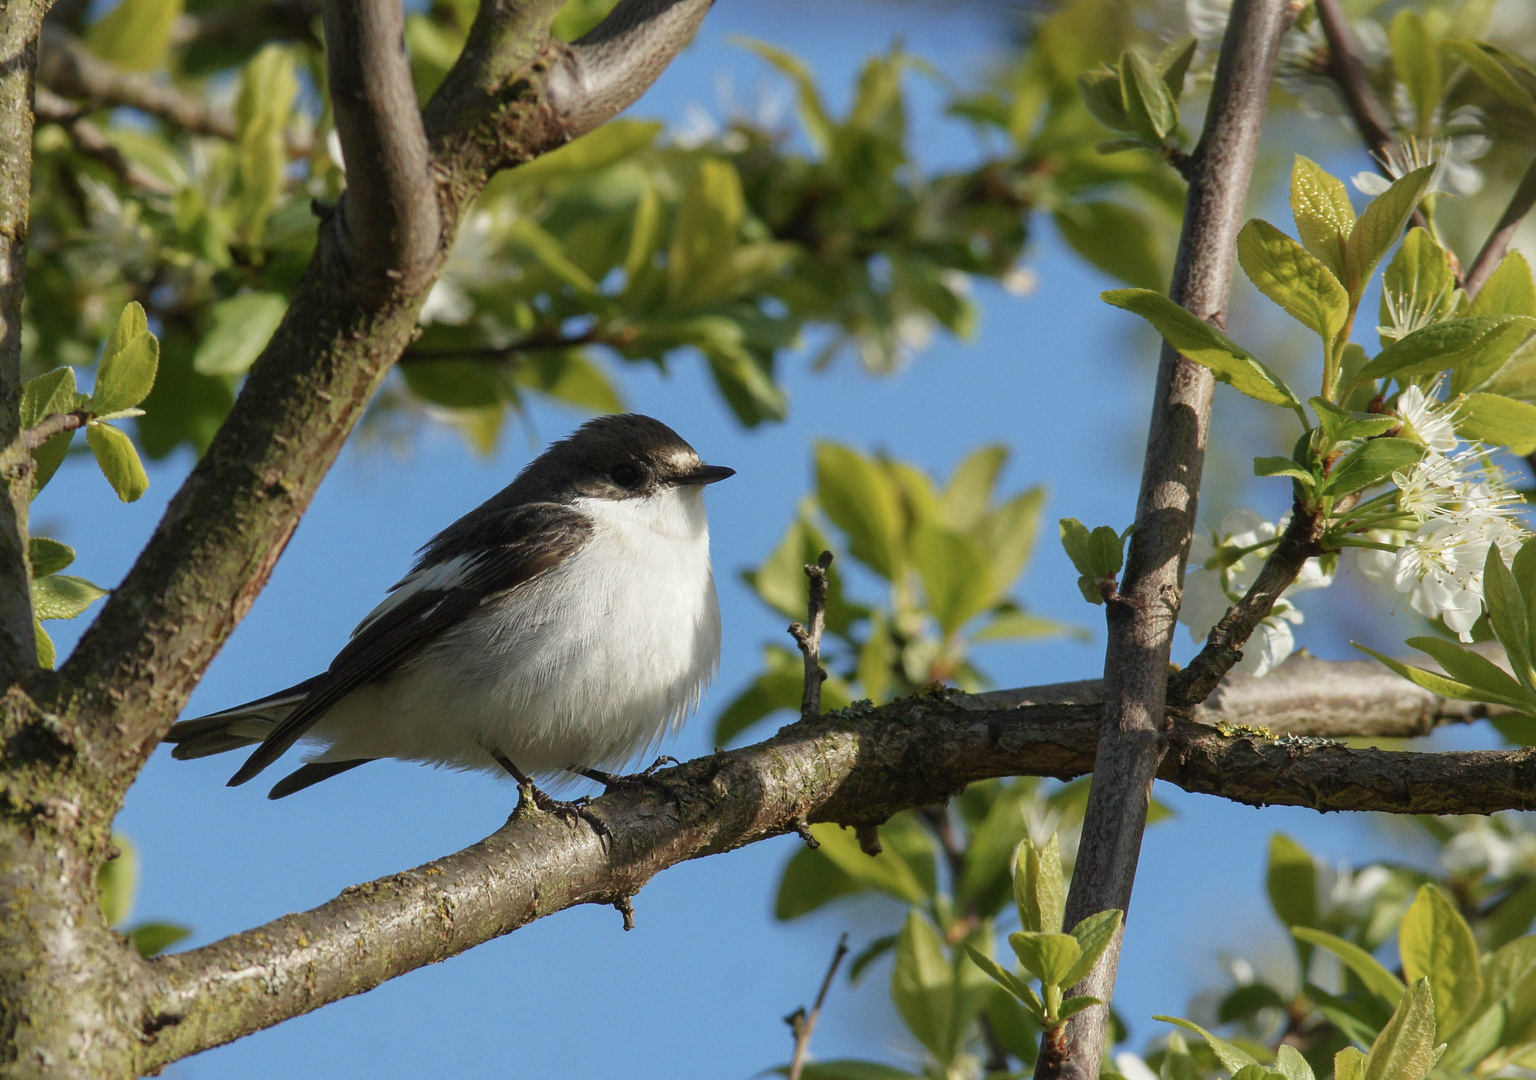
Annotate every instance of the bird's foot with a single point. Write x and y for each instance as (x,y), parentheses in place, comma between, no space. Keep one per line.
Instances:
(570,811)
(646,780)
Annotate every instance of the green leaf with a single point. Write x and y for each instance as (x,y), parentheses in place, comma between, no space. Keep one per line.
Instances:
(1377,979)
(1117,239)
(704,237)
(1419,287)
(63,596)
(1294,278)
(1231,1057)
(1324,215)
(957,578)
(118,460)
(1105,100)
(811,880)
(1349,1064)
(897,870)
(1405,1049)
(1292,884)
(153,938)
(1507,612)
(1071,1006)
(1509,290)
(128,364)
(1498,420)
(860,499)
(852,1070)
(819,127)
(1433,681)
(1153,113)
(1283,466)
(1049,957)
(1006,979)
(1094,935)
(47,655)
(49,393)
(1173,63)
(1038,887)
(1448,345)
(1416,62)
(136,34)
(1372,463)
(48,556)
(531,237)
(117,881)
(238,329)
(969,493)
(1437,944)
(1380,226)
(607,145)
(924,987)
(1472,668)
(1256,1072)
(1482,59)
(1290,1064)
(1207,346)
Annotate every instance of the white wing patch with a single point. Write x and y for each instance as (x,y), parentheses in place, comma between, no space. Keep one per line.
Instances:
(439,577)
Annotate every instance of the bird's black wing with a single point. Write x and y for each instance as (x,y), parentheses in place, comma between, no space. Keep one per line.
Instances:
(447,585)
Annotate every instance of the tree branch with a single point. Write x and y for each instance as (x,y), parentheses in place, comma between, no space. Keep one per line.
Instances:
(19,29)
(225,528)
(804,1026)
(1224,645)
(606,71)
(1348,73)
(89,140)
(1497,244)
(808,636)
(853,767)
(1142,620)
(388,216)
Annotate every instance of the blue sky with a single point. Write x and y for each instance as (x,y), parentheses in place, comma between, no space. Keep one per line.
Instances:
(700,986)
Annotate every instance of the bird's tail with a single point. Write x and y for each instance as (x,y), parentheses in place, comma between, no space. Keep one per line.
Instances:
(243,725)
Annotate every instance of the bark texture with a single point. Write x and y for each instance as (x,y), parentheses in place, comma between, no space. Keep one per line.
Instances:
(1142,618)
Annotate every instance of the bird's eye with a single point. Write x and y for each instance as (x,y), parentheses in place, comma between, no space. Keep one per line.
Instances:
(625,475)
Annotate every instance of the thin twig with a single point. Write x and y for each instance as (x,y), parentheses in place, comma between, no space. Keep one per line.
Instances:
(53,424)
(1223,646)
(809,640)
(91,141)
(1497,244)
(805,1026)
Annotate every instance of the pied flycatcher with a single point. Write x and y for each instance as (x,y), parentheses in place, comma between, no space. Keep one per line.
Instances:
(568,622)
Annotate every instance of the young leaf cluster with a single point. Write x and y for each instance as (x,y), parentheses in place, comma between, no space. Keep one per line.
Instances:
(125,376)
(948,556)
(1058,960)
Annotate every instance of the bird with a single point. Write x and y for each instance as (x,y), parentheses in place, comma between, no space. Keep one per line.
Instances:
(563,626)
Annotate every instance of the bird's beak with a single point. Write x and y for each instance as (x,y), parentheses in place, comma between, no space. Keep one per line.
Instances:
(706,474)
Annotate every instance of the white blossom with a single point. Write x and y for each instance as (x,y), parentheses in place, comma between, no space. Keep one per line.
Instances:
(1452,155)
(1427,420)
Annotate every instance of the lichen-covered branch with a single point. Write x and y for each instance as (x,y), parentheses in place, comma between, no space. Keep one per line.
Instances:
(19,29)
(1142,619)
(854,767)
(229,522)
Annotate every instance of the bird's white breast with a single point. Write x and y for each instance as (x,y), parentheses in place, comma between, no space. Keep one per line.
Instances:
(586,665)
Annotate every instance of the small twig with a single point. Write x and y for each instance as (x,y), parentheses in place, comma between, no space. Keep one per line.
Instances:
(869,839)
(1497,244)
(805,1026)
(624,905)
(52,424)
(803,831)
(91,141)
(1223,646)
(809,640)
